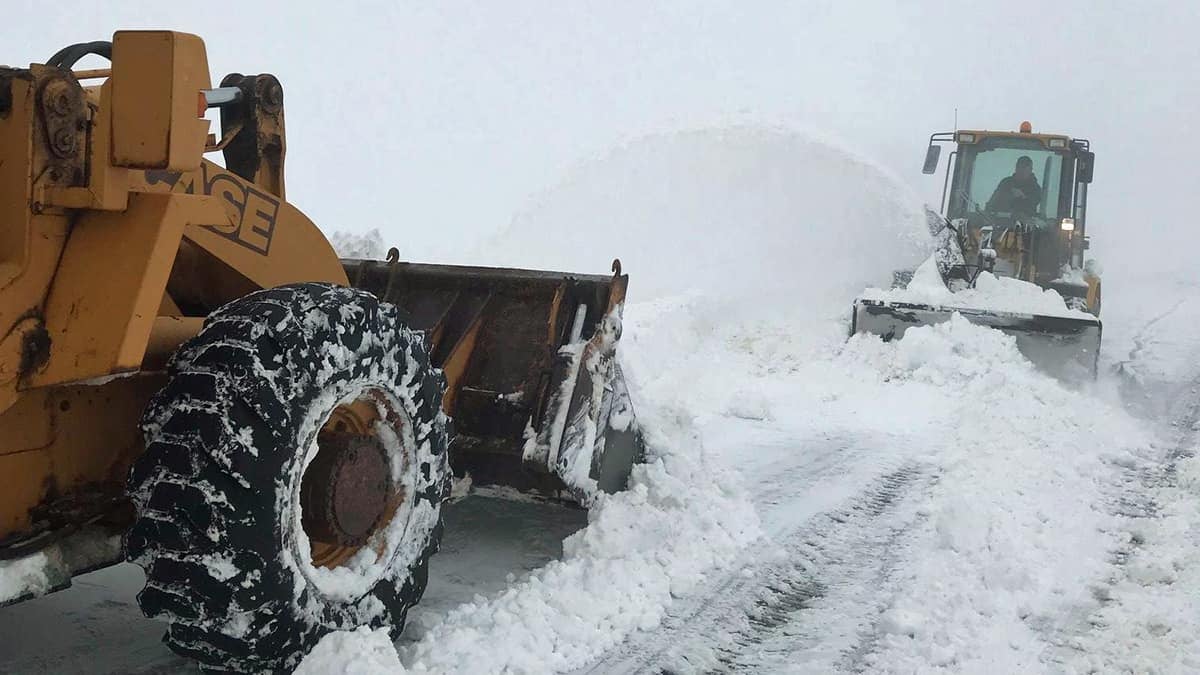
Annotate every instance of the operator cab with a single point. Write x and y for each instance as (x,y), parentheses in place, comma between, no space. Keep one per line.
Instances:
(1002,183)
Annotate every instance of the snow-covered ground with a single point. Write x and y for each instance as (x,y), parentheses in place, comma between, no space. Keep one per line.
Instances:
(931,504)
(811,504)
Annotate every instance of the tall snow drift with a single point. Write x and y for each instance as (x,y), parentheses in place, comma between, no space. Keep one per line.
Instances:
(735,212)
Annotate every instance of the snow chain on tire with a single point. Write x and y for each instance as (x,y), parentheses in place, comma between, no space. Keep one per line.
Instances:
(219,526)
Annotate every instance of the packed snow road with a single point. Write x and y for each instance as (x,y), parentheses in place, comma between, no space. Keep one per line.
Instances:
(988,532)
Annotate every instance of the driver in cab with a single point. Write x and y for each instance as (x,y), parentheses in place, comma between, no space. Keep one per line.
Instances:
(1019,193)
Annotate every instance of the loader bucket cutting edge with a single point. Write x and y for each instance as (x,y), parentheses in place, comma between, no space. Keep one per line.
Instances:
(1065,347)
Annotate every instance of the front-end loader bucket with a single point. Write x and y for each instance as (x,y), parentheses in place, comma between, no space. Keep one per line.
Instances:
(1065,347)
(533,386)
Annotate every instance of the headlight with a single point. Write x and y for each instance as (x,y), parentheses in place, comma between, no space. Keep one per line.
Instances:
(966,138)
(1057,142)
(1068,224)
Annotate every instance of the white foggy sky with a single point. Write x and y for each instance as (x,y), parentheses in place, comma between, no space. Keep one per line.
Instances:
(437,121)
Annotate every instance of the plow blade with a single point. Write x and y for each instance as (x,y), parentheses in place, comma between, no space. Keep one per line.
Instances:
(533,386)
(1065,347)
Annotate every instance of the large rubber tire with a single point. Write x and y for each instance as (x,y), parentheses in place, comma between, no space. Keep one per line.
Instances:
(217,492)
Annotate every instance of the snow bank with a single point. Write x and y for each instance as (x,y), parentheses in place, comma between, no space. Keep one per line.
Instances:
(997,294)
(642,548)
(359,652)
(23,575)
(1016,529)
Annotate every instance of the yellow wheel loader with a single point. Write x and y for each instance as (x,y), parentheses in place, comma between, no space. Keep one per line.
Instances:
(1014,204)
(192,380)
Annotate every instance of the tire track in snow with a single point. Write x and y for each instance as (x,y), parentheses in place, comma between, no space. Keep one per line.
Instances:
(782,602)
(1140,339)
(1147,383)
(854,555)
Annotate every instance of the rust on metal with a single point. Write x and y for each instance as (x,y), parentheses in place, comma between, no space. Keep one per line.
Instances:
(552,330)
(346,488)
(346,493)
(61,104)
(92,74)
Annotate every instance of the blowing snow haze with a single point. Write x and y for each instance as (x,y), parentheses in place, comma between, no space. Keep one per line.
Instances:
(736,211)
(437,124)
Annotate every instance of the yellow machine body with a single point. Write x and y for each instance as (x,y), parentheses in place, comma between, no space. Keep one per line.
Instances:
(117,239)
(989,224)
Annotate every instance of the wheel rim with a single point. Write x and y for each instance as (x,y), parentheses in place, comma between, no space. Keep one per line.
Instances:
(351,491)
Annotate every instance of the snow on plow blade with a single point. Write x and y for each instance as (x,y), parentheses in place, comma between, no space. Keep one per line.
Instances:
(1066,347)
(533,387)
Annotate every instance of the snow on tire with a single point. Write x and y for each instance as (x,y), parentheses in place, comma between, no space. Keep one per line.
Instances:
(292,480)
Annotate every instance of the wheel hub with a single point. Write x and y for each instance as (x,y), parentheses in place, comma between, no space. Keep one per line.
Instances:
(346,489)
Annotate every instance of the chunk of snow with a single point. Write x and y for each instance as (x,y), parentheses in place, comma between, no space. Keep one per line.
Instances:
(991,293)
(23,576)
(460,487)
(359,652)
(1071,275)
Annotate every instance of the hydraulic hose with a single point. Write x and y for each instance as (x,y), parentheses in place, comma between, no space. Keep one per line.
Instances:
(68,56)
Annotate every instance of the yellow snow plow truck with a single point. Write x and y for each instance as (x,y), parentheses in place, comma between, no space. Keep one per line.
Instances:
(1014,205)
(192,380)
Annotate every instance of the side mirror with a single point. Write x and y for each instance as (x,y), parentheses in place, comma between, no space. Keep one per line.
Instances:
(931,159)
(1084,165)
